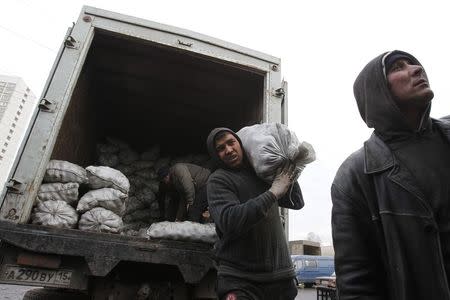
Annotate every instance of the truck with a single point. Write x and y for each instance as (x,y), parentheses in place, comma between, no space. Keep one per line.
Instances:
(145,83)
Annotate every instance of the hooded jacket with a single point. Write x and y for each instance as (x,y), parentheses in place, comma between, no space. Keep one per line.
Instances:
(386,235)
(252,242)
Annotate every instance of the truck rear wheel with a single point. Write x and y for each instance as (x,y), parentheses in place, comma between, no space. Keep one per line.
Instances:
(54,294)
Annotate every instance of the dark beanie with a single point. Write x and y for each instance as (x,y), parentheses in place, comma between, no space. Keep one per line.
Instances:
(162,172)
(392,57)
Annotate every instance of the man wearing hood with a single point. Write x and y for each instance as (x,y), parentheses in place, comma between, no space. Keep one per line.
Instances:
(391,198)
(253,255)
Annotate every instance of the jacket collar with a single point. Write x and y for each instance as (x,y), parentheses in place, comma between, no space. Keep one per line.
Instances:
(378,157)
(444,125)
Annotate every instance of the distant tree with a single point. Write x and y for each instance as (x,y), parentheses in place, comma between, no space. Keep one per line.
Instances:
(313,237)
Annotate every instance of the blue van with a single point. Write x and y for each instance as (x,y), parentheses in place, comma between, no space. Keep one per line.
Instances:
(308,267)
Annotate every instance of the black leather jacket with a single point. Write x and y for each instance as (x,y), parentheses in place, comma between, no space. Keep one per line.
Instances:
(386,239)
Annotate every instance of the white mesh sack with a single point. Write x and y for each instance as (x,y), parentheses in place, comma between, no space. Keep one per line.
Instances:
(144,215)
(145,194)
(151,154)
(137,181)
(142,164)
(55,214)
(268,146)
(147,173)
(101,220)
(108,159)
(153,185)
(118,143)
(64,171)
(127,156)
(183,231)
(133,204)
(154,208)
(67,192)
(125,169)
(107,148)
(111,199)
(103,177)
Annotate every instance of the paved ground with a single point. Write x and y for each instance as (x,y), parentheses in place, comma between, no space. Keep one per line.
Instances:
(306,294)
(15,292)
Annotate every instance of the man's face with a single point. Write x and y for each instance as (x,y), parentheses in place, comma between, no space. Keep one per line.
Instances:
(409,85)
(229,151)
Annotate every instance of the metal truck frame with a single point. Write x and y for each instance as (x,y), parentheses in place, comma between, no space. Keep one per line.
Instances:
(106,264)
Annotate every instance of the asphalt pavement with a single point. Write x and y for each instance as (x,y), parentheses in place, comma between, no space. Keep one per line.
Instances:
(16,292)
(13,292)
(306,294)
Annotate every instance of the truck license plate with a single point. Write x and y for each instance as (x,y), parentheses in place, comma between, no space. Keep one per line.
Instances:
(34,276)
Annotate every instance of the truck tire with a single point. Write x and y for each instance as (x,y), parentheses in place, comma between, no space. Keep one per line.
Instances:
(54,294)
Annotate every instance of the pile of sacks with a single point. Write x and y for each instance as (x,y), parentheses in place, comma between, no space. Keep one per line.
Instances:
(142,208)
(101,208)
(123,190)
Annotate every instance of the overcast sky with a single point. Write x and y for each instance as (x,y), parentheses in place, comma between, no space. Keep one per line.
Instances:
(322,45)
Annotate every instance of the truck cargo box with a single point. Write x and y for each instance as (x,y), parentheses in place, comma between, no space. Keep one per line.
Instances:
(145,83)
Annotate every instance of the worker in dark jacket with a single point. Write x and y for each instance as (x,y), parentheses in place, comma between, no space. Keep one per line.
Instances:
(188,181)
(391,198)
(253,255)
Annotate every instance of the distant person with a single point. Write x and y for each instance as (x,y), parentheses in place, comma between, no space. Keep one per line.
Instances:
(187,182)
(391,198)
(253,254)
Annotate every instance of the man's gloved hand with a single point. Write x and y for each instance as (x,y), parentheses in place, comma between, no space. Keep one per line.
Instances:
(283,180)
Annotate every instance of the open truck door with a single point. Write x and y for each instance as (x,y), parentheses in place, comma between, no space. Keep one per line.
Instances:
(144,83)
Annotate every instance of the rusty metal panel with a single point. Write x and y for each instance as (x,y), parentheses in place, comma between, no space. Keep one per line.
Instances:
(39,260)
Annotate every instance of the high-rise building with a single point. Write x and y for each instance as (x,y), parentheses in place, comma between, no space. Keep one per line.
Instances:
(17,104)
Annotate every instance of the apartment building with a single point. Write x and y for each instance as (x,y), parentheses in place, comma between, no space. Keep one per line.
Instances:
(17,104)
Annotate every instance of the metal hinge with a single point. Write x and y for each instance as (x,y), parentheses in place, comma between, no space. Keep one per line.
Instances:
(279,93)
(185,43)
(15,186)
(47,105)
(70,42)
